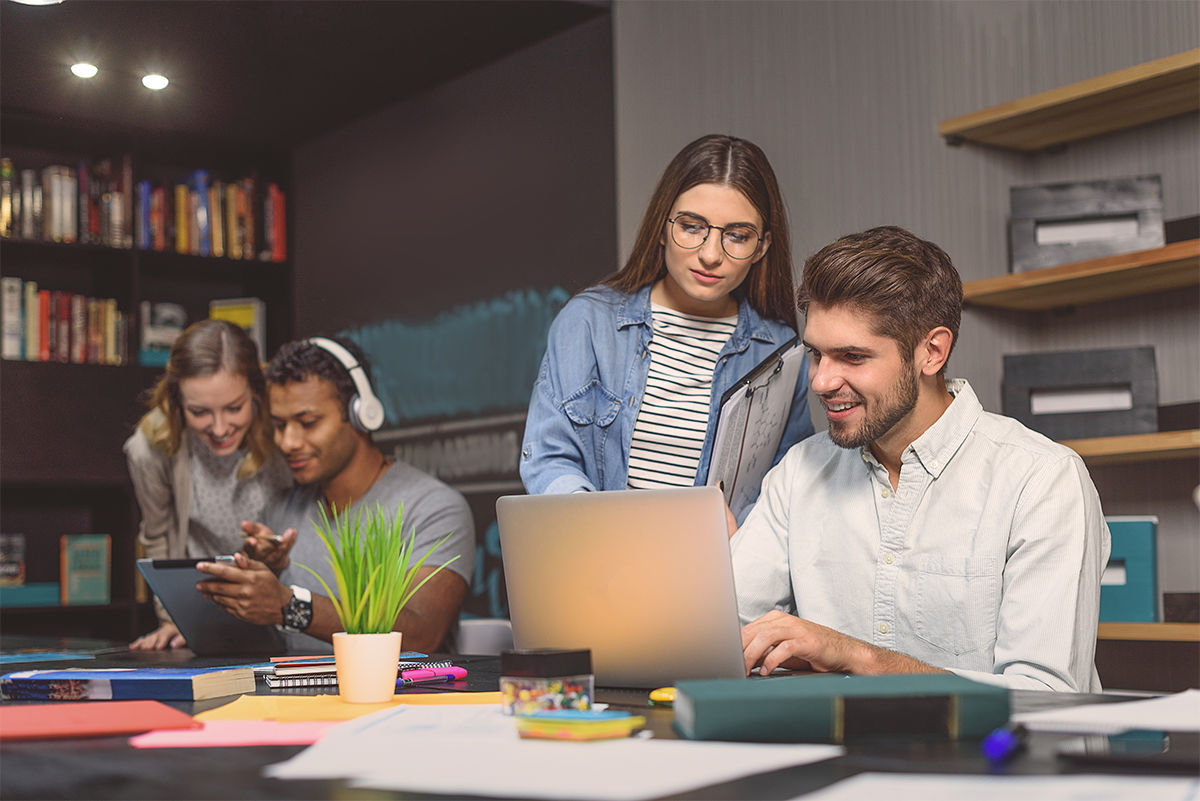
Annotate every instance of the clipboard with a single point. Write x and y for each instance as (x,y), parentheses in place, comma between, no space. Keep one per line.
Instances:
(208,629)
(753,415)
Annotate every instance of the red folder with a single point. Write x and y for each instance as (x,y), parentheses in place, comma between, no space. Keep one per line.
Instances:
(89,719)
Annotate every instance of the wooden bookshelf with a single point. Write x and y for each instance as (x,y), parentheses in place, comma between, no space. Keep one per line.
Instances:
(1122,99)
(1158,447)
(1172,267)
(1150,632)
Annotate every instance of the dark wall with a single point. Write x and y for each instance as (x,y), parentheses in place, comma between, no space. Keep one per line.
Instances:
(503,179)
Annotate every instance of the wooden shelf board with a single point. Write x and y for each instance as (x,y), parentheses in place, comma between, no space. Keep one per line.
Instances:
(1150,632)
(1171,267)
(1157,447)
(1140,94)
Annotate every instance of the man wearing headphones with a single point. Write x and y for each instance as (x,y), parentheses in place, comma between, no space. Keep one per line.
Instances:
(323,411)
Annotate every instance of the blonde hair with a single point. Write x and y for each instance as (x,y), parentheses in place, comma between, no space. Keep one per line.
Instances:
(207,348)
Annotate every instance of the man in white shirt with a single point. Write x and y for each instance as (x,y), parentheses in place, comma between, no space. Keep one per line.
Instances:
(920,533)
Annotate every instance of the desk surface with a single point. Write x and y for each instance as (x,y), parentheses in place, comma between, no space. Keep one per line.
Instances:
(109,768)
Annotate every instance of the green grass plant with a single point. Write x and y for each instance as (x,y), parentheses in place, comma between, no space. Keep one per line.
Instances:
(374,566)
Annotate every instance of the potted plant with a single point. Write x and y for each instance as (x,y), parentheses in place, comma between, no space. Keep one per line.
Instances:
(375,570)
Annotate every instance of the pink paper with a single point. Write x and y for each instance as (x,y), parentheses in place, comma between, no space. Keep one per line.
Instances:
(236,732)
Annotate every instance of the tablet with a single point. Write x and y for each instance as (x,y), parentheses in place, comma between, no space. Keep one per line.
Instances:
(208,629)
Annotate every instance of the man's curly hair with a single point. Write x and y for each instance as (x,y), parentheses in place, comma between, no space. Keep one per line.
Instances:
(299,360)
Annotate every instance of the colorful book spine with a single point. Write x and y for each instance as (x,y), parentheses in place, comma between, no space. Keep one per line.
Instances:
(199,189)
(13,322)
(33,331)
(78,329)
(160,684)
(6,197)
(84,565)
(43,325)
(182,225)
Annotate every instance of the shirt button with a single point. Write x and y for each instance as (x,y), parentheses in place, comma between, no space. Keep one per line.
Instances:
(885,492)
(889,559)
(934,464)
(883,628)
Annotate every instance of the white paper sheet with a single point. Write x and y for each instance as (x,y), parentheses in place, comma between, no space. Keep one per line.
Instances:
(425,749)
(924,787)
(1179,712)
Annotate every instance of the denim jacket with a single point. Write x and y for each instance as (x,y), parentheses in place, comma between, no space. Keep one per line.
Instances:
(592,379)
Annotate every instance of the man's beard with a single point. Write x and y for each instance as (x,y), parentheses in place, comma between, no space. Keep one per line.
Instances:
(893,407)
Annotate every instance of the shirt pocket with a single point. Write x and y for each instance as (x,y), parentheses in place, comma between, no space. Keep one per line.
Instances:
(957,603)
(592,405)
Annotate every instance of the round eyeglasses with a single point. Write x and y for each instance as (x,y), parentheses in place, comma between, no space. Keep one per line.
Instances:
(738,241)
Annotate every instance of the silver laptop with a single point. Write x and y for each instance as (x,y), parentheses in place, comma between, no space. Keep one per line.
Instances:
(643,578)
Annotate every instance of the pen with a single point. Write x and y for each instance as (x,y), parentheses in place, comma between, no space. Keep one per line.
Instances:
(1004,742)
(433,677)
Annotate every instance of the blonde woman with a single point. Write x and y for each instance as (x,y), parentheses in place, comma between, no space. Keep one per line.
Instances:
(203,459)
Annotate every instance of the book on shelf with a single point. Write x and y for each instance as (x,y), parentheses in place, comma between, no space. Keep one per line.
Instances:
(6,198)
(182,226)
(198,187)
(33,329)
(12,294)
(835,708)
(160,684)
(216,217)
(12,560)
(161,325)
(89,719)
(43,318)
(62,325)
(249,314)
(84,567)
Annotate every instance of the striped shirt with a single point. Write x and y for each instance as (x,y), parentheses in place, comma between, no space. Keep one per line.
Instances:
(673,419)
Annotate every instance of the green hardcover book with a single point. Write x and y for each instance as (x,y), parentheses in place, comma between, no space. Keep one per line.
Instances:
(84,568)
(833,708)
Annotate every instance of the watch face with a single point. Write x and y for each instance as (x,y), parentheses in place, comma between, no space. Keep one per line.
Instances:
(297,614)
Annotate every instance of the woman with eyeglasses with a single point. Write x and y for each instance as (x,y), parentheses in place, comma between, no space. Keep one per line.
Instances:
(636,365)
(203,459)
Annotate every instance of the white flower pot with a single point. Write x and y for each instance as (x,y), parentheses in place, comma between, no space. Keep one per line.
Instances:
(366,666)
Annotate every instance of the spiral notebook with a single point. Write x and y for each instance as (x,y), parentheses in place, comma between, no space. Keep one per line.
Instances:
(330,679)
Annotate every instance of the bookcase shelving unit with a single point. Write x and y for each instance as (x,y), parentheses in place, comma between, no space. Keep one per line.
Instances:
(1135,96)
(1126,275)
(1140,94)
(62,469)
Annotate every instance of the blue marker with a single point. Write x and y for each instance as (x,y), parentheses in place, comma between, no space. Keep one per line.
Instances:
(1004,742)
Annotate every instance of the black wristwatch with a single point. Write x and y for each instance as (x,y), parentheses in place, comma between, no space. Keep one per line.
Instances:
(298,612)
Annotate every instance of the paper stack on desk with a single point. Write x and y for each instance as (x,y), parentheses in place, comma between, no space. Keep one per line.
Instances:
(1179,712)
(437,741)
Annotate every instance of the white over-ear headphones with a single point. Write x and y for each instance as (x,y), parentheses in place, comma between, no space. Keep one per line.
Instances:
(364,409)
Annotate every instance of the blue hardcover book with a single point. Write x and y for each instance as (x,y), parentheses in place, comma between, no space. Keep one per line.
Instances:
(157,684)
(203,227)
(141,226)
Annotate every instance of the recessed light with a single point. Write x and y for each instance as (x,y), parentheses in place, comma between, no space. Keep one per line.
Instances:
(38,2)
(155,82)
(84,70)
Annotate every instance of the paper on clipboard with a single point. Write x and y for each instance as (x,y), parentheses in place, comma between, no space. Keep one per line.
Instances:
(754,413)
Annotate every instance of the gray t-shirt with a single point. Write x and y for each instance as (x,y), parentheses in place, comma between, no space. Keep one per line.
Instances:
(433,507)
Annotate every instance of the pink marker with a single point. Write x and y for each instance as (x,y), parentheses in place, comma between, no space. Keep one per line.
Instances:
(431,676)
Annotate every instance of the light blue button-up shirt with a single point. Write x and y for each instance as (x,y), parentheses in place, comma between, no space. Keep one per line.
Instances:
(985,560)
(592,379)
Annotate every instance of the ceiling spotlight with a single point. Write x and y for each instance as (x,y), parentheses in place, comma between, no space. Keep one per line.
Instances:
(84,70)
(155,82)
(38,2)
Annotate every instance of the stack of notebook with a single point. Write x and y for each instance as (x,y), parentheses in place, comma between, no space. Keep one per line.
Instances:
(322,671)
